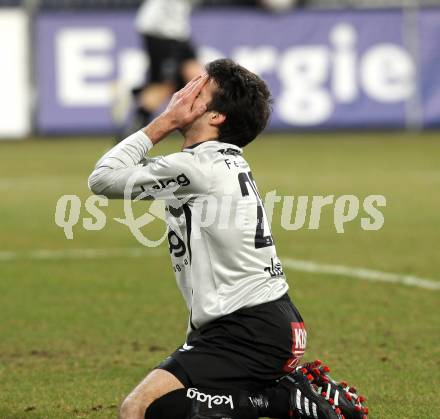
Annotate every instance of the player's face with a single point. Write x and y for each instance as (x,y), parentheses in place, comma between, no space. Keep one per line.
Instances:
(206,94)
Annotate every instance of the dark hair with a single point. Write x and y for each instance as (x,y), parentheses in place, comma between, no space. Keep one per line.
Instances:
(243,98)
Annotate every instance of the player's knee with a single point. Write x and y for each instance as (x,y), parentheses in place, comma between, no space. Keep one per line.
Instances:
(133,408)
(126,409)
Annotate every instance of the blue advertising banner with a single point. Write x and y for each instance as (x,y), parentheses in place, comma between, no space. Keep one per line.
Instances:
(327,70)
(80,57)
(429,73)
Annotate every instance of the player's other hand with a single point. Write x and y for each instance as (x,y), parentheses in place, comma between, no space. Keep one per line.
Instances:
(183,109)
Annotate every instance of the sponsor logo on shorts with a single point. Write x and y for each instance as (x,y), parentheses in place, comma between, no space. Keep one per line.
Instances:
(211,399)
(299,342)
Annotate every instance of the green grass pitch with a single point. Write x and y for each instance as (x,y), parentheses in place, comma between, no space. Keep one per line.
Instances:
(77,333)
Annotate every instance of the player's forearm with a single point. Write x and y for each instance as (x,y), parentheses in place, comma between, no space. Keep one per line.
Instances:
(159,128)
(128,153)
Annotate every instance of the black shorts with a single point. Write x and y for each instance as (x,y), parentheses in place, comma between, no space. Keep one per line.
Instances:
(166,58)
(248,349)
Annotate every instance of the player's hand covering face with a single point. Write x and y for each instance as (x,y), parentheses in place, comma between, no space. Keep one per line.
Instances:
(187,104)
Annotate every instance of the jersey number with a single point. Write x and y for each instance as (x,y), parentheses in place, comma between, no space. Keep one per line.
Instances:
(247,184)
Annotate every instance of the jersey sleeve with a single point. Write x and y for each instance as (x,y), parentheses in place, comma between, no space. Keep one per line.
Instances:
(127,172)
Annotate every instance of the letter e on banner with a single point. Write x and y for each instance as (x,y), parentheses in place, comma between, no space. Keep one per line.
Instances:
(83,54)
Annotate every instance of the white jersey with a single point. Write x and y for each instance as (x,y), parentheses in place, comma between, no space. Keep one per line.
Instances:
(165,18)
(221,247)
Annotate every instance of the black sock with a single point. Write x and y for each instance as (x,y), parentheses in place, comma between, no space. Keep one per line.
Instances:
(173,405)
(272,402)
(187,403)
(236,404)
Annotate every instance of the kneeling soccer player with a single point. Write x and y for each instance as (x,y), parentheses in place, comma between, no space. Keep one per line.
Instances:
(244,333)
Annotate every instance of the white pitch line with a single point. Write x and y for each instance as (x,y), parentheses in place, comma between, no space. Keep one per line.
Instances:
(361,273)
(46,254)
(294,264)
